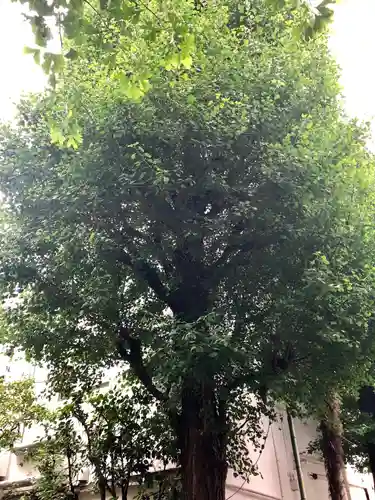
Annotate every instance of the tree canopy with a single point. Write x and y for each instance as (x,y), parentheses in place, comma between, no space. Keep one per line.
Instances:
(209,226)
(168,28)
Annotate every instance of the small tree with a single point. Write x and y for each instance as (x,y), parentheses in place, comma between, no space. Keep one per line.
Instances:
(18,409)
(57,467)
(124,438)
(118,437)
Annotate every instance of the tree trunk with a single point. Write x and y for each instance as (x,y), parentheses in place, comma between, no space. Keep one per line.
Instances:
(202,439)
(102,487)
(124,489)
(371,459)
(333,452)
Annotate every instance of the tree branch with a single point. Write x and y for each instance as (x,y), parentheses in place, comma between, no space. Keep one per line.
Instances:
(151,277)
(146,272)
(240,380)
(133,355)
(229,258)
(242,244)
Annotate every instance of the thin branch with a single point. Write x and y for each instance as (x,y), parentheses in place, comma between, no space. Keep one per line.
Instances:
(70,476)
(149,274)
(235,251)
(255,463)
(238,330)
(133,354)
(229,259)
(93,8)
(98,13)
(240,427)
(81,416)
(241,380)
(276,370)
(120,256)
(223,259)
(60,33)
(151,11)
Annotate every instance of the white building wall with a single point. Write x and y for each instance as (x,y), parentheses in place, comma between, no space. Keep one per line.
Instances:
(279,475)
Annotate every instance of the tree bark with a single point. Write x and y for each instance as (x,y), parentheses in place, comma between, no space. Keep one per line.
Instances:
(333,452)
(202,438)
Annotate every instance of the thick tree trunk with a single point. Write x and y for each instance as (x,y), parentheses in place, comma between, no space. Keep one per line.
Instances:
(371,459)
(331,445)
(333,452)
(202,438)
(203,471)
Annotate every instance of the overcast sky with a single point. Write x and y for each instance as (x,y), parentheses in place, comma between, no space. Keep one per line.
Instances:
(353,43)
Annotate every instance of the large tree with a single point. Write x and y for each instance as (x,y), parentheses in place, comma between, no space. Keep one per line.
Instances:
(210,226)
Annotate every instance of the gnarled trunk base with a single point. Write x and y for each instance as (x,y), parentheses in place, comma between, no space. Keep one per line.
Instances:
(203,439)
(203,469)
(331,448)
(333,452)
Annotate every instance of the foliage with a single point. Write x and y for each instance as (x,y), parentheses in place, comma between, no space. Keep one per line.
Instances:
(214,233)
(169,28)
(359,432)
(358,414)
(117,434)
(18,409)
(125,436)
(53,480)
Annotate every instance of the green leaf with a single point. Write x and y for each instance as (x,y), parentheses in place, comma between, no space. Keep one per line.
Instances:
(29,50)
(57,136)
(191,99)
(172,62)
(187,61)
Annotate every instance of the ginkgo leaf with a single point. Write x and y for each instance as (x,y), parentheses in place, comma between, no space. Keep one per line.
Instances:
(191,99)
(57,136)
(187,61)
